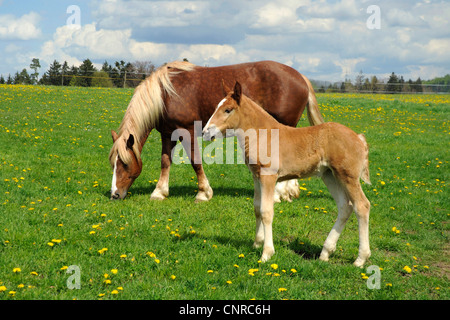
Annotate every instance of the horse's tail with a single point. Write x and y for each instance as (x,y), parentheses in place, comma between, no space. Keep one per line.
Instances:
(314,115)
(365,176)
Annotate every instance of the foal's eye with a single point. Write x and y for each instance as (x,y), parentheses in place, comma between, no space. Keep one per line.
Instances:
(227,110)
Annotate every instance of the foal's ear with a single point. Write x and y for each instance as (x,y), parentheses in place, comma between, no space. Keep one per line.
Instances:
(130,142)
(237,94)
(225,88)
(114,135)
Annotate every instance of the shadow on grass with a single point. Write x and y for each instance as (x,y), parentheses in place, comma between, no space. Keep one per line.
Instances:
(305,249)
(190,191)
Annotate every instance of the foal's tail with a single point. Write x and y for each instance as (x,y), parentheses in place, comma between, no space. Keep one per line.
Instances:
(365,176)
(314,116)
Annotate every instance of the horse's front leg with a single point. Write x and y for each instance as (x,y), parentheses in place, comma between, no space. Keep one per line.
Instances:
(205,191)
(162,187)
(267,189)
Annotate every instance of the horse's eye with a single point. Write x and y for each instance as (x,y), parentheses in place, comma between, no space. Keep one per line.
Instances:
(227,110)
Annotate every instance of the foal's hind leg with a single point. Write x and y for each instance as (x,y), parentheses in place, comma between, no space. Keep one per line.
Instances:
(344,211)
(362,210)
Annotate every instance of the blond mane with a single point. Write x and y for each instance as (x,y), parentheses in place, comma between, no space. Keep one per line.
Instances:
(146,108)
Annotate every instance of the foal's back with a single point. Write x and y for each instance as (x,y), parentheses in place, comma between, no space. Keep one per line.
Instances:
(312,150)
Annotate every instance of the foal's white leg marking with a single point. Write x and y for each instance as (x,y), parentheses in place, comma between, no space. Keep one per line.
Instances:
(267,190)
(362,209)
(259,238)
(114,178)
(344,211)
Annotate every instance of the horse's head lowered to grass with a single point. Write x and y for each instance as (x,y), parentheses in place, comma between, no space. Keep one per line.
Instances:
(126,162)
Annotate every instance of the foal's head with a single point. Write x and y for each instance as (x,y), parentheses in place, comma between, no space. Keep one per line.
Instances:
(226,114)
(126,161)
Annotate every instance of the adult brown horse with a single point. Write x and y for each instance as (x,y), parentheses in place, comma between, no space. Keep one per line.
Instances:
(179,93)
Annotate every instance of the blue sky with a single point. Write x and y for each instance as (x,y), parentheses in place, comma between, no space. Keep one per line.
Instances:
(323,39)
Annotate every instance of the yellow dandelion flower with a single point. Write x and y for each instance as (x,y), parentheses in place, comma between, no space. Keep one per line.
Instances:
(114,271)
(274,266)
(282,289)
(17,270)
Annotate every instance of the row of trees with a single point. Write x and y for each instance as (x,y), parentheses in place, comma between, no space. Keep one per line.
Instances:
(394,84)
(120,74)
(126,74)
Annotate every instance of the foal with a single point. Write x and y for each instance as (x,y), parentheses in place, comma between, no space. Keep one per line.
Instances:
(331,151)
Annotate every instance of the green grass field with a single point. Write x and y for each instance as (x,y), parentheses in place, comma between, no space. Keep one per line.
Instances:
(55,210)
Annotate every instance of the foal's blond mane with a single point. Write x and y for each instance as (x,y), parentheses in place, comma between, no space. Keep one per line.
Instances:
(146,108)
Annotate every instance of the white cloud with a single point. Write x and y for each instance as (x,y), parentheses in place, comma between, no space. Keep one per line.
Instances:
(348,66)
(119,13)
(23,28)
(324,39)
(74,45)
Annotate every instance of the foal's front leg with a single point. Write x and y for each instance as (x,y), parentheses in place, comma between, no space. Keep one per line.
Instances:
(267,189)
(259,239)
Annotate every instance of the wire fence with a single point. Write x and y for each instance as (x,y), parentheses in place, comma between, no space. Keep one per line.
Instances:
(133,79)
(386,88)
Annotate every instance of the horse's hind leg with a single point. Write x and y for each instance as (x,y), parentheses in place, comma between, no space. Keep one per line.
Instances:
(344,211)
(162,187)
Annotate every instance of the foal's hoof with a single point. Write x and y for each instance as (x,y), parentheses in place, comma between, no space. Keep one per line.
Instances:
(267,254)
(359,262)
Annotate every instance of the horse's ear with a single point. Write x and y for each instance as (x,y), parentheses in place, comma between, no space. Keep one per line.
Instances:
(225,88)
(114,135)
(130,142)
(237,94)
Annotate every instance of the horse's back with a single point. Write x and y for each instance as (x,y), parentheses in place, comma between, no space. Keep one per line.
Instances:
(278,88)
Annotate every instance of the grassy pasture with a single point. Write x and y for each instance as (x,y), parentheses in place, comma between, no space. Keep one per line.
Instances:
(55,210)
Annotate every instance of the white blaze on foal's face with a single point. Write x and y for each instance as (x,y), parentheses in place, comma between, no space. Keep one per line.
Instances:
(222,117)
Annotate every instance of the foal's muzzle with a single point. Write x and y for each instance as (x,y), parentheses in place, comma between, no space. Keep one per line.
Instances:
(210,132)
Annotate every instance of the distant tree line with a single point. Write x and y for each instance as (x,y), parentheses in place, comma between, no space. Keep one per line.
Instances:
(395,84)
(121,74)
